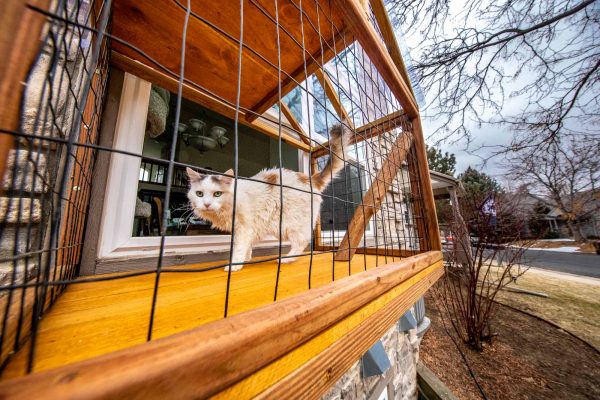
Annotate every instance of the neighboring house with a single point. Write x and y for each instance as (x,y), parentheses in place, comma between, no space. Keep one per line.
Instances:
(527,204)
(113,289)
(589,220)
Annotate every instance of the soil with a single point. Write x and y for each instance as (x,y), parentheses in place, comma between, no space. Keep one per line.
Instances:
(573,302)
(529,359)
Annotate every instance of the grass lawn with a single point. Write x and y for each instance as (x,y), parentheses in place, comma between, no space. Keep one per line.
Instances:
(573,302)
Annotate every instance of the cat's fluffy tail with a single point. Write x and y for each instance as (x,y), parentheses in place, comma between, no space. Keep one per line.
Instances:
(338,144)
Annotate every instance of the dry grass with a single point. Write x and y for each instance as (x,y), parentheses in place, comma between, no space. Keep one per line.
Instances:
(587,247)
(573,302)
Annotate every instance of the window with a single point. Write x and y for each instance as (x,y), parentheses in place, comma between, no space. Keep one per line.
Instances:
(344,196)
(136,188)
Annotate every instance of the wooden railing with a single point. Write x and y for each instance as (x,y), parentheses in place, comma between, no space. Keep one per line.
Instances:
(311,338)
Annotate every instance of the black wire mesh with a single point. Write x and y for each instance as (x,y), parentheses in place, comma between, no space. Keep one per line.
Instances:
(51,170)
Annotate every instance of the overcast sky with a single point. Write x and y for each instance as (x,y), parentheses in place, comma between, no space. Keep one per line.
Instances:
(487,135)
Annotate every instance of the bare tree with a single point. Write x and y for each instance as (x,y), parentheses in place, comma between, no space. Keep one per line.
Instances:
(483,59)
(568,172)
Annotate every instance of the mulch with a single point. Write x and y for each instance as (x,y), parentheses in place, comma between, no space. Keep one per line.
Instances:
(529,359)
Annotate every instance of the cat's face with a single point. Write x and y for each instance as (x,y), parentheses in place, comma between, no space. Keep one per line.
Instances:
(209,193)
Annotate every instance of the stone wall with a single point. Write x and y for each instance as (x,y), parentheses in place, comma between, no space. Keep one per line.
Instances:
(52,96)
(400,380)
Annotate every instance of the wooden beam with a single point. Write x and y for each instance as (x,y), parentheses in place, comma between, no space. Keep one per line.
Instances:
(358,20)
(294,122)
(389,38)
(271,128)
(431,228)
(373,198)
(333,97)
(19,44)
(202,362)
(170,82)
(381,251)
(313,379)
(367,131)
(192,93)
(300,75)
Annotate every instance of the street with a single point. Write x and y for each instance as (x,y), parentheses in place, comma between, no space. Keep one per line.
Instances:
(584,264)
(572,263)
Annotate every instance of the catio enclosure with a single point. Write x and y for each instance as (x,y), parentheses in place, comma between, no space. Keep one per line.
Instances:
(109,283)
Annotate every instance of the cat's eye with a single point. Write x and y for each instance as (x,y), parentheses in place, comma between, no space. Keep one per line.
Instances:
(199,194)
(217,194)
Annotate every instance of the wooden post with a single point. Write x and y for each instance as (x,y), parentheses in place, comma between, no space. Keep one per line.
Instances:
(285,110)
(389,38)
(374,197)
(19,44)
(430,224)
(333,97)
(356,17)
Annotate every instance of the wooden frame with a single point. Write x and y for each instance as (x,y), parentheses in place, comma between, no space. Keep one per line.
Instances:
(391,67)
(19,44)
(207,360)
(374,196)
(331,325)
(114,240)
(170,83)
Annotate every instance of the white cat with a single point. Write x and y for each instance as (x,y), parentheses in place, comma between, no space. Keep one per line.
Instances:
(258,204)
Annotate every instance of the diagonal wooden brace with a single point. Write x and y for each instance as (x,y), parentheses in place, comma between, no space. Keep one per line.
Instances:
(374,197)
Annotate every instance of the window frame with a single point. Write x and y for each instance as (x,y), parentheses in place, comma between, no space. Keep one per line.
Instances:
(115,239)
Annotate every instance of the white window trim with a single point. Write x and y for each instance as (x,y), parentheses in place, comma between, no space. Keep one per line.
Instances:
(116,226)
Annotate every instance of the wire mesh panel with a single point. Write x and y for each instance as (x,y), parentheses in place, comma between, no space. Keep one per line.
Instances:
(48,174)
(256,137)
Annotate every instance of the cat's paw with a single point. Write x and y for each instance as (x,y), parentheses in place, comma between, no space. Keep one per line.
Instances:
(288,260)
(234,268)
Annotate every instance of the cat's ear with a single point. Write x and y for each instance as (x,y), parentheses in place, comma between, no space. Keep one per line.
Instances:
(227,179)
(193,175)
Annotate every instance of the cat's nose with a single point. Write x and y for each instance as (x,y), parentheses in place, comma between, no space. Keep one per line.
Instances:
(207,206)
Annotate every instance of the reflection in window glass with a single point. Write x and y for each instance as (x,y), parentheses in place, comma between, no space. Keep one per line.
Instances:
(205,140)
(324,115)
(294,101)
(347,188)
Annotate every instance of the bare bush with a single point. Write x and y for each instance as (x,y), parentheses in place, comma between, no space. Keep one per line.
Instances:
(479,263)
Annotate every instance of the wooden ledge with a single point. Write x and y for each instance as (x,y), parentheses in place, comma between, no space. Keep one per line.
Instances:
(207,360)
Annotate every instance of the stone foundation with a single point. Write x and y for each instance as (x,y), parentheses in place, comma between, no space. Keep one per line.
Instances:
(400,380)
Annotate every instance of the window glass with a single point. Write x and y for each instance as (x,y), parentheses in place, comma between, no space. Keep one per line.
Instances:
(205,140)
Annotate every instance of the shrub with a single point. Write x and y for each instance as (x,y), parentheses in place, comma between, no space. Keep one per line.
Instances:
(551,235)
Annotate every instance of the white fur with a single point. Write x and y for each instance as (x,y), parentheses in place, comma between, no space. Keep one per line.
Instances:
(258,205)
(258,211)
